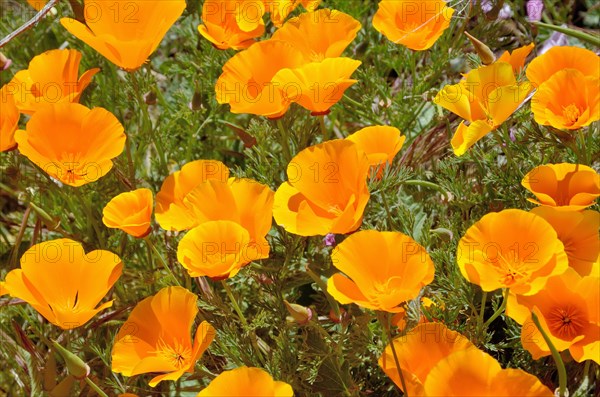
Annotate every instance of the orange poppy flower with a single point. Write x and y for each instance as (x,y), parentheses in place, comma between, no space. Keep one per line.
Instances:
(9,121)
(89,139)
(517,57)
(566,187)
(541,68)
(486,97)
(52,77)
(326,191)
(232,23)
(171,211)
(578,232)
(63,283)
(567,100)
(511,249)
(37,4)
(380,144)
(382,270)
(569,312)
(126,32)
(437,361)
(245,382)
(156,337)
(280,9)
(130,212)
(414,24)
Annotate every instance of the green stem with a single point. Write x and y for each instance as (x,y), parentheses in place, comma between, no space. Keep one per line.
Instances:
(130,162)
(560,366)
(482,309)
(388,212)
(285,142)
(499,311)
(234,302)
(324,131)
(430,185)
(91,219)
(588,38)
(95,387)
(384,320)
(152,248)
(332,302)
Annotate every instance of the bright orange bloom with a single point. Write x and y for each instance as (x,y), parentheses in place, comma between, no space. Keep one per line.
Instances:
(9,120)
(171,211)
(517,57)
(246,382)
(326,191)
(380,144)
(437,361)
(63,283)
(126,32)
(130,212)
(382,270)
(52,77)
(569,312)
(414,24)
(232,23)
(567,187)
(486,97)
(567,100)
(89,140)
(558,58)
(37,4)
(280,9)
(156,337)
(511,249)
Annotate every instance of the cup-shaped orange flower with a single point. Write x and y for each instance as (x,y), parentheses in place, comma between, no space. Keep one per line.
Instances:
(511,249)
(52,77)
(564,186)
(380,144)
(326,191)
(156,337)
(541,68)
(126,32)
(72,143)
(280,9)
(130,212)
(437,361)
(381,270)
(246,382)
(232,23)
(486,97)
(171,211)
(63,283)
(413,24)
(9,120)
(517,57)
(568,310)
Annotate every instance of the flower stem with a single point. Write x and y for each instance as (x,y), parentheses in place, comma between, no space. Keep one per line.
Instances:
(384,320)
(285,143)
(234,302)
(95,387)
(560,366)
(152,248)
(499,311)
(332,302)
(324,131)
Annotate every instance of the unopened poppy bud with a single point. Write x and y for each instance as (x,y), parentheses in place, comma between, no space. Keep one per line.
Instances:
(150,98)
(50,222)
(485,54)
(298,314)
(196,103)
(4,62)
(75,365)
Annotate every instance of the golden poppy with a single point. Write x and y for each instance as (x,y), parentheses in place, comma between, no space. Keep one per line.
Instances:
(232,23)
(435,361)
(326,191)
(9,121)
(52,77)
(568,310)
(558,58)
(126,32)
(380,144)
(156,337)
(382,270)
(567,100)
(130,212)
(63,283)
(89,140)
(414,24)
(37,4)
(246,382)
(171,212)
(566,187)
(280,9)
(486,97)
(517,57)
(511,249)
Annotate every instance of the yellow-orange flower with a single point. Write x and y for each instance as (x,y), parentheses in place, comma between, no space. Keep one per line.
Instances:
(382,270)
(63,283)
(517,57)
(232,23)
(326,191)
(9,120)
(126,32)
(37,4)
(486,97)
(414,24)
(280,9)
(541,68)
(156,337)
(72,143)
(511,249)
(130,212)
(380,144)
(437,361)
(171,211)
(52,77)
(569,312)
(567,187)
(246,382)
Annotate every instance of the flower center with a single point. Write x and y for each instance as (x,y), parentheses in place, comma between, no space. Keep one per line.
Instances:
(177,353)
(566,322)
(571,113)
(334,209)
